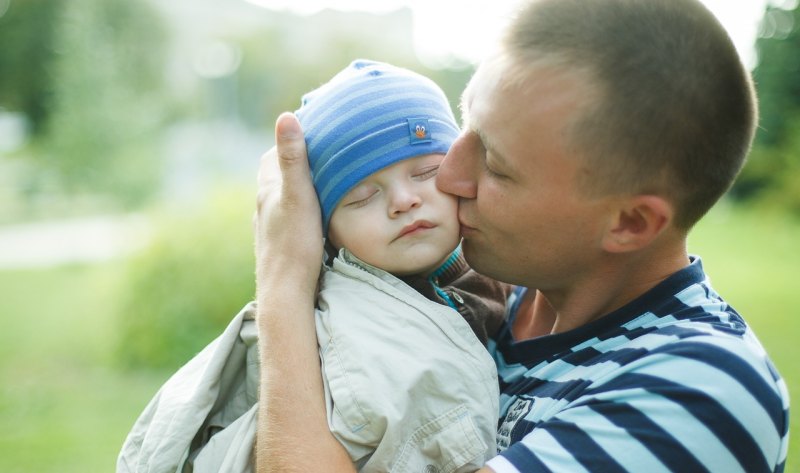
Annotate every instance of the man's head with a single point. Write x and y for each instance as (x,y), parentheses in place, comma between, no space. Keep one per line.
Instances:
(675,110)
(598,128)
(375,136)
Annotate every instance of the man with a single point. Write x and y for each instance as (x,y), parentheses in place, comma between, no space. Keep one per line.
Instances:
(593,140)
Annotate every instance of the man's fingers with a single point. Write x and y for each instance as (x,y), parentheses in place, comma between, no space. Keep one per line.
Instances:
(268,170)
(291,146)
(286,195)
(285,166)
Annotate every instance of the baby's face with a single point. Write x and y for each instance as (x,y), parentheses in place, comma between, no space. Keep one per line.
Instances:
(397,220)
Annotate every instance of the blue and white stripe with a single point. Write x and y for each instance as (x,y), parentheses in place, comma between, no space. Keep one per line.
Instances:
(675,382)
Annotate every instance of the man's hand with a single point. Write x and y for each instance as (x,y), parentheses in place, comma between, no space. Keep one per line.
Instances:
(293,433)
(288,223)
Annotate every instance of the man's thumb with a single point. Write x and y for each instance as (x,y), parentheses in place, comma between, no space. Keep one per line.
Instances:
(290,143)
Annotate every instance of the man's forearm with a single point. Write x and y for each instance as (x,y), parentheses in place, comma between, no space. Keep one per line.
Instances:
(293,433)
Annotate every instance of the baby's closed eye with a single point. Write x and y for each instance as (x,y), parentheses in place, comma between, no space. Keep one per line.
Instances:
(426,172)
(360,195)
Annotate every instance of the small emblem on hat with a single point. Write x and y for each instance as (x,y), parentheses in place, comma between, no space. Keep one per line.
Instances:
(419,130)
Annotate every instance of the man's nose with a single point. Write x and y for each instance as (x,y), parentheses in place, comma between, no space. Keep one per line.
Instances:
(457,171)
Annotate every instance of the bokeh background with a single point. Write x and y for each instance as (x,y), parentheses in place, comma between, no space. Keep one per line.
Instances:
(130,132)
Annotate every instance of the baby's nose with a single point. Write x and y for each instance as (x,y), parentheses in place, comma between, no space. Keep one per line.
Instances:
(403,200)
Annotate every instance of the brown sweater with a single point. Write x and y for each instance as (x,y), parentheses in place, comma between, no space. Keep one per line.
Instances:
(479,299)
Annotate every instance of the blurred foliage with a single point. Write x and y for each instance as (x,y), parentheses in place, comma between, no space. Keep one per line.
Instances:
(778,74)
(295,55)
(103,84)
(179,293)
(772,173)
(106,85)
(108,102)
(773,176)
(26,33)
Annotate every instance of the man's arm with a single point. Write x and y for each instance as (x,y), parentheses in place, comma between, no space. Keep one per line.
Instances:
(293,432)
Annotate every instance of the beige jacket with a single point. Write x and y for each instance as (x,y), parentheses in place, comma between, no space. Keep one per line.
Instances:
(408,386)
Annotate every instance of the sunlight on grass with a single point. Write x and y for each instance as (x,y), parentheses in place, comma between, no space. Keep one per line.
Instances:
(63,406)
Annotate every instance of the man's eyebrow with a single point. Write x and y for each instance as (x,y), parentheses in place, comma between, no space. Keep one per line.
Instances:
(471,126)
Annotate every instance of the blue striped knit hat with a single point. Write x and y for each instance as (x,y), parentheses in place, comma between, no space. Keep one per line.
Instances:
(368,117)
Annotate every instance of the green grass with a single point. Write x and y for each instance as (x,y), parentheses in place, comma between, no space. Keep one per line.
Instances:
(65,407)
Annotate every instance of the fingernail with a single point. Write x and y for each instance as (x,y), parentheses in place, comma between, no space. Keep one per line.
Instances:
(287,126)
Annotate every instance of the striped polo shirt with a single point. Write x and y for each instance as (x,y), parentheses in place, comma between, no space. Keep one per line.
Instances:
(673,381)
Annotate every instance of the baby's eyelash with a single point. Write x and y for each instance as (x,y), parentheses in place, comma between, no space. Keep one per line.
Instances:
(360,203)
(428,173)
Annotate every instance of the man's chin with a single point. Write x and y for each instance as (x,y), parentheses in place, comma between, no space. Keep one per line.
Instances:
(474,256)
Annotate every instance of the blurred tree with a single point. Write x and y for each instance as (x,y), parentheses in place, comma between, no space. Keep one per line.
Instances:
(109,98)
(778,72)
(775,159)
(294,55)
(26,33)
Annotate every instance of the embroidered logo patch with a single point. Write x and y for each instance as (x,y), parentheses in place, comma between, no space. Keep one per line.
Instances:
(516,412)
(419,131)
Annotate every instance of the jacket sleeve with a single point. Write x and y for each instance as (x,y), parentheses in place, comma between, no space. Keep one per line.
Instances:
(162,438)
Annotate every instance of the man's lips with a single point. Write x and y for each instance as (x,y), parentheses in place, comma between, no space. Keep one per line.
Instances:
(415,227)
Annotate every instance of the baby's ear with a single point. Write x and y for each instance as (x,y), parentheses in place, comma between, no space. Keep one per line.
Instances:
(637,222)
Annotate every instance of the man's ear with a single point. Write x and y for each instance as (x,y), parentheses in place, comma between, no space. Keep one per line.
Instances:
(637,222)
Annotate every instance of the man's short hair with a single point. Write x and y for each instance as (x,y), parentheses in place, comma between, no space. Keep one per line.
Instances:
(676,111)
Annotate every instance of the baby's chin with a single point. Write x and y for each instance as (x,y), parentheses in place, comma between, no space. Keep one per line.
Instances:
(421,266)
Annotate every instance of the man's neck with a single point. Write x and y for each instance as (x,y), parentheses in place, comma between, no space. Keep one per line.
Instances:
(550,311)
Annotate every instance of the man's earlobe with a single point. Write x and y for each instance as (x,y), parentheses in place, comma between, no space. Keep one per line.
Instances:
(637,223)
